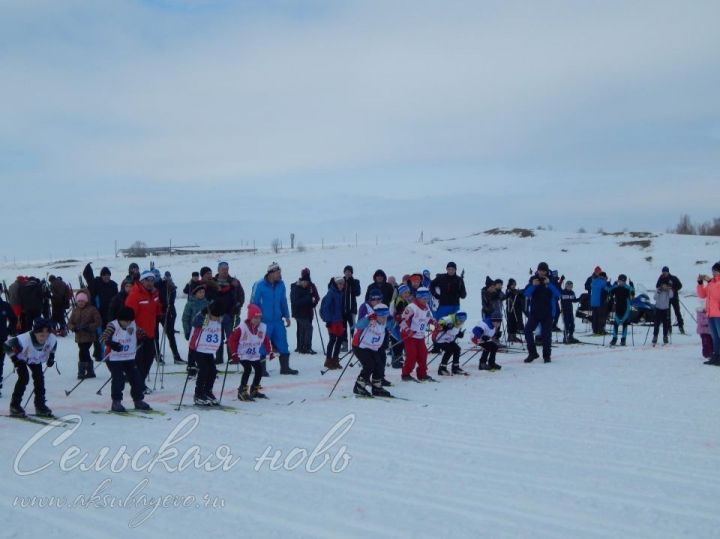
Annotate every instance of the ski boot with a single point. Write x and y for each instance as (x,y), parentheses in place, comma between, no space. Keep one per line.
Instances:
(378,390)
(531,358)
(255,393)
(408,378)
(285,365)
(42,410)
(142,405)
(360,389)
(385,382)
(16,410)
(426,378)
(201,401)
(622,342)
(117,407)
(613,341)
(492,366)
(456,369)
(443,370)
(212,399)
(243,394)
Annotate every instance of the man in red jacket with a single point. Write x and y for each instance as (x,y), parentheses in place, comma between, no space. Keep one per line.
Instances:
(144,300)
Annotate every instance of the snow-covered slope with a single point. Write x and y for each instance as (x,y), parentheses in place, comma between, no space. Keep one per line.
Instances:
(600,443)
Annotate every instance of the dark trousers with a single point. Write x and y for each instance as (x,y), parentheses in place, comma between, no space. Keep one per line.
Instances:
(304,334)
(662,316)
(23,375)
(248,366)
(599,317)
(58,315)
(333,349)
(675,303)
(568,323)
(2,361)
(545,331)
(121,371)
(373,363)
(206,373)
(169,326)
(449,349)
(490,349)
(348,323)
(144,357)
(85,362)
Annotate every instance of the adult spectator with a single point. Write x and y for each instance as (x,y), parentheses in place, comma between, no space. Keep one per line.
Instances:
(448,288)
(270,295)
(302,307)
(674,283)
(350,293)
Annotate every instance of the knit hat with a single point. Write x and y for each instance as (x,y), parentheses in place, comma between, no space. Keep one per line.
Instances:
(416,278)
(305,274)
(716,266)
(147,275)
(348,268)
(622,277)
(461,316)
(273,267)
(253,311)
(426,273)
(403,288)
(665,269)
(381,310)
(511,282)
(41,324)
(126,314)
(195,289)
(105,271)
(451,265)
(375,294)
(339,279)
(423,293)
(543,266)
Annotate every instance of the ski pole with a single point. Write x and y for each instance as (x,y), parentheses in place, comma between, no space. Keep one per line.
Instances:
(476,352)
(688,310)
(222,388)
(99,391)
(341,375)
(9,375)
(159,362)
(182,395)
(322,342)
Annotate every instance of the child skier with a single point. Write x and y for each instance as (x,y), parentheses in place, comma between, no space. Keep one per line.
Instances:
(447,332)
(331,312)
(205,340)
(663,295)
(84,321)
(483,334)
(415,319)
(367,346)
(244,347)
(28,351)
(120,338)
(567,298)
(195,304)
(622,294)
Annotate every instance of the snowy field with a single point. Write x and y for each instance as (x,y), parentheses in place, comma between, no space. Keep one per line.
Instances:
(621,442)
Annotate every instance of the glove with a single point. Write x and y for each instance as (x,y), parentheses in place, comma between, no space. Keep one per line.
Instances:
(372,316)
(234,359)
(115,346)
(51,361)
(271,356)
(461,334)
(187,336)
(484,338)
(16,361)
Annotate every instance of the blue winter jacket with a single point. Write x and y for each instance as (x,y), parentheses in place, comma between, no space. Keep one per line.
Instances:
(542,300)
(272,300)
(598,291)
(331,306)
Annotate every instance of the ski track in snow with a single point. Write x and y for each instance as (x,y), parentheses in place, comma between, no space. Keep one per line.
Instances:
(601,443)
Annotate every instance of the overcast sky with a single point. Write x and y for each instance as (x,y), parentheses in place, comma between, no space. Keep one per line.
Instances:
(396,115)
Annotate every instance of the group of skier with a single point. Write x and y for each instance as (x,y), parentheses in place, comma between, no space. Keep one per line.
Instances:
(128,324)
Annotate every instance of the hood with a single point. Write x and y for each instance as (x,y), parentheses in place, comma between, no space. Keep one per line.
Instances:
(380,273)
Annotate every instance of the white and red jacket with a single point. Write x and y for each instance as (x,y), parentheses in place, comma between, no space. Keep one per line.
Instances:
(415,320)
(207,338)
(245,342)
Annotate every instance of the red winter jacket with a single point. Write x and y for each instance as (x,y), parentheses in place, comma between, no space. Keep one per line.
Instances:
(711,294)
(146,306)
